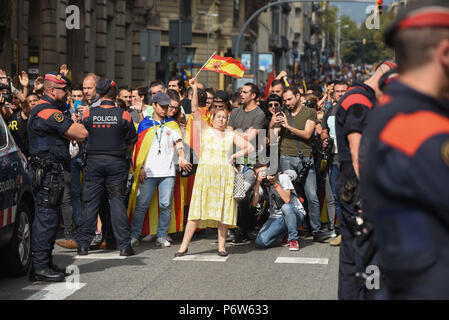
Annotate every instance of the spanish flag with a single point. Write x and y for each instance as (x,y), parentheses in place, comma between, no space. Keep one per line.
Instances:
(192,138)
(146,133)
(226,65)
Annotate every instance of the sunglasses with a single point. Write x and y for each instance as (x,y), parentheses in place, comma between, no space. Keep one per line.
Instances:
(165,106)
(274,104)
(63,89)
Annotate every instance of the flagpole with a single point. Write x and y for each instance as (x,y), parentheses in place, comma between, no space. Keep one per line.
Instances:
(205,63)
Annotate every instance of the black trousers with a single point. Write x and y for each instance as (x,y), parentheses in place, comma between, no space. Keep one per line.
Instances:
(106,223)
(105,178)
(45,225)
(348,288)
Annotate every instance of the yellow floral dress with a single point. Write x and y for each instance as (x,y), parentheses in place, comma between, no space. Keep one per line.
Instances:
(213,192)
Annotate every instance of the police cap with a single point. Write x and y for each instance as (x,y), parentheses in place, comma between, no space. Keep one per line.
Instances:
(58,78)
(419,14)
(104,85)
(161,98)
(387,77)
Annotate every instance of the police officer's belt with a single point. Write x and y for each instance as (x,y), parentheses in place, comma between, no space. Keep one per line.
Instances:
(105,157)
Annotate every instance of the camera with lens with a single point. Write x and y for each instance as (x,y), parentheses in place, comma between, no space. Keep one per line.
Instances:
(327,151)
(308,103)
(264,180)
(306,165)
(6,90)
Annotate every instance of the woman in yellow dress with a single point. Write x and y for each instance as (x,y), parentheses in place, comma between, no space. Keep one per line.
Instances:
(213,204)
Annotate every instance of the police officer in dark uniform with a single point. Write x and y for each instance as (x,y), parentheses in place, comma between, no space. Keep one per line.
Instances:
(351,119)
(405,178)
(49,134)
(111,135)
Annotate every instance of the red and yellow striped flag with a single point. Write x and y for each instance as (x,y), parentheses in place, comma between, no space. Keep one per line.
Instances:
(146,131)
(226,65)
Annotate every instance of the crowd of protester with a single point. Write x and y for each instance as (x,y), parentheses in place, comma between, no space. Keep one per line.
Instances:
(260,163)
(302,150)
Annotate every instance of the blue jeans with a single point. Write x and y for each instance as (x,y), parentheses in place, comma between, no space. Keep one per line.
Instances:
(76,167)
(274,230)
(165,186)
(333,175)
(310,188)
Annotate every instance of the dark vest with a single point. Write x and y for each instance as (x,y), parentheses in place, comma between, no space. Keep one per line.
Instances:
(106,131)
(42,142)
(352,97)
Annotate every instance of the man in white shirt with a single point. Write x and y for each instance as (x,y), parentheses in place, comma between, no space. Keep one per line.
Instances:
(159,170)
(286,211)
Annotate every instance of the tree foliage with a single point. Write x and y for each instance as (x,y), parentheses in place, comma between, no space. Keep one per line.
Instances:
(352,49)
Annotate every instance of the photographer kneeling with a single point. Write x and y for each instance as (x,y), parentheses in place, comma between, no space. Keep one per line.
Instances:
(285,209)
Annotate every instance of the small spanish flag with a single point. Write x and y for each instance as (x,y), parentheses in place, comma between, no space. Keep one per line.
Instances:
(226,65)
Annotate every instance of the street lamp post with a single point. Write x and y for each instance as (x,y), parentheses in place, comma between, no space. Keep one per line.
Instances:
(338,36)
(208,15)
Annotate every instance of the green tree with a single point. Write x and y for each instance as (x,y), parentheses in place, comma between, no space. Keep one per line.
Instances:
(352,49)
(328,25)
(350,40)
(376,48)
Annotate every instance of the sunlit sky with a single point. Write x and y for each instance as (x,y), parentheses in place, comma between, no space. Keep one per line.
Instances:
(357,10)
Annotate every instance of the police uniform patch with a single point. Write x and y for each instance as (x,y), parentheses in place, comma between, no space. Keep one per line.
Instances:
(445,152)
(58,117)
(358,111)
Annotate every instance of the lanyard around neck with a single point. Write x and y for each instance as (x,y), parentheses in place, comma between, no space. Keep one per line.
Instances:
(159,136)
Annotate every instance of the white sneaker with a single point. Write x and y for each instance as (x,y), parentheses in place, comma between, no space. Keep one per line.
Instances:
(163,242)
(149,238)
(134,242)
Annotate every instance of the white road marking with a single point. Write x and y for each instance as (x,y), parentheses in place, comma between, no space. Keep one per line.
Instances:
(56,291)
(301,260)
(202,257)
(101,256)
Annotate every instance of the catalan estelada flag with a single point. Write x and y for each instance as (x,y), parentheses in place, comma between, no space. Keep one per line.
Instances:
(186,76)
(226,65)
(146,133)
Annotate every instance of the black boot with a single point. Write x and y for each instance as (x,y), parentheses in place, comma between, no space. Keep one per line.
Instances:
(127,252)
(83,251)
(58,269)
(47,275)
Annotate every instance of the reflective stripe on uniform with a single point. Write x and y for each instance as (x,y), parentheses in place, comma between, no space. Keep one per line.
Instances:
(7,216)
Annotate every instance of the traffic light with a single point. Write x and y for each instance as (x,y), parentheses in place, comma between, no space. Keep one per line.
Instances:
(379,6)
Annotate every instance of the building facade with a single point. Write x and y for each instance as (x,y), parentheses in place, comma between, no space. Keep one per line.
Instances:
(39,39)
(38,36)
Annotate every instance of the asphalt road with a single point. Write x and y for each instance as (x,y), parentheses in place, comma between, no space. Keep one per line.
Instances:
(153,274)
